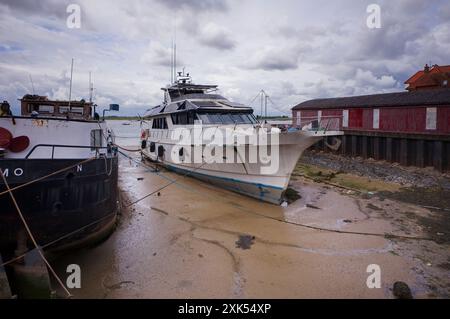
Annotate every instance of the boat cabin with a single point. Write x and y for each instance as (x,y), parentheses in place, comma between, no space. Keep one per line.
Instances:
(185,103)
(41,106)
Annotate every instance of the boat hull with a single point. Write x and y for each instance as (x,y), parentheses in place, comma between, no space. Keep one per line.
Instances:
(83,197)
(244,177)
(264,192)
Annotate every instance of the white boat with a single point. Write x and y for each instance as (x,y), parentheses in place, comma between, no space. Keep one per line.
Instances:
(199,133)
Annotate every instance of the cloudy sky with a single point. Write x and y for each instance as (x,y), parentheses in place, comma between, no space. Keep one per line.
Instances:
(293,49)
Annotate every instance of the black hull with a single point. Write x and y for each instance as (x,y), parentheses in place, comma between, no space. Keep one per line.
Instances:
(84,197)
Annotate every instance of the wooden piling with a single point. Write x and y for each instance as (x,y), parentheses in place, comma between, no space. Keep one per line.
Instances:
(354,151)
(437,155)
(403,155)
(388,148)
(364,147)
(420,153)
(376,148)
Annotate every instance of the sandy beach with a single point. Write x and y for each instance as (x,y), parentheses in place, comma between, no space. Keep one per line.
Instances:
(193,240)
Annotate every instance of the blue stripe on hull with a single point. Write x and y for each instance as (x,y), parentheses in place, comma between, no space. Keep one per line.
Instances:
(259,191)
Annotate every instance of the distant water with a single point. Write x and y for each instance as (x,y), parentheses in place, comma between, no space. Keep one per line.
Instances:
(126,135)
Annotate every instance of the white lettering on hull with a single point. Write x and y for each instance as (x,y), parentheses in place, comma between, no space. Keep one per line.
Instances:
(16,172)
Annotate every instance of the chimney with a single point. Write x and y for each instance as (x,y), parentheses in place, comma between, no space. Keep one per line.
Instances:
(426,69)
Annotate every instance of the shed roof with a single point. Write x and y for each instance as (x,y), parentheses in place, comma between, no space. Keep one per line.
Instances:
(414,98)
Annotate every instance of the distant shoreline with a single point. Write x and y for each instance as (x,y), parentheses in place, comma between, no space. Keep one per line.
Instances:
(136,118)
(122,118)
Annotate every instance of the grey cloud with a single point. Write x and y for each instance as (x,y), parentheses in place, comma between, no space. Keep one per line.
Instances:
(279,58)
(196,5)
(276,62)
(313,55)
(217,37)
(156,54)
(41,7)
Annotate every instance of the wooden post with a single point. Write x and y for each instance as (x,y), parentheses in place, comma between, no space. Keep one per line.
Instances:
(420,153)
(344,144)
(404,152)
(376,148)
(354,145)
(364,147)
(437,155)
(389,149)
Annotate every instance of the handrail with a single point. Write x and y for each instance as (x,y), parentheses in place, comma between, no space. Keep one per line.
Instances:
(53,146)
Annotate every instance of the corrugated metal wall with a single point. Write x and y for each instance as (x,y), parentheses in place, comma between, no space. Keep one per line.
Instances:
(391,119)
(418,136)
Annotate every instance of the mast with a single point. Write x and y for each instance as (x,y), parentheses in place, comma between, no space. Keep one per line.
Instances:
(32,84)
(70,87)
(175,58)
(91,87)
(265,111)
(171,63)
(262,103)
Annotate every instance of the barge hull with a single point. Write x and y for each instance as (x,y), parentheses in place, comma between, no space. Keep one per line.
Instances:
(58,205)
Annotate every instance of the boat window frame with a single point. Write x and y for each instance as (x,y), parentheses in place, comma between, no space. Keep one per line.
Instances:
(160,123)
(96,139)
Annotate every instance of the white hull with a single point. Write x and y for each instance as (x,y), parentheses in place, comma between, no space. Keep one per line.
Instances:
(245,177)
(55,131)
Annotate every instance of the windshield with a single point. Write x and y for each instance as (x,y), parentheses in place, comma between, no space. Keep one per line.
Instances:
(227,118)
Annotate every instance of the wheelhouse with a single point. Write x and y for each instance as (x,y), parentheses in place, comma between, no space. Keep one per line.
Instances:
(41,106)
(186,103)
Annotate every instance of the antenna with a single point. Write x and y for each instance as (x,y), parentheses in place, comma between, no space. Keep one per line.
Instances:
(175,51)
(175,57)
(31,80)
(262,102)
(171,63)
(265,111)
(70,87)
(91,87)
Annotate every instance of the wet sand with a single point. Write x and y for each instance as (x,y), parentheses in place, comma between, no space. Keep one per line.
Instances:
(183,244)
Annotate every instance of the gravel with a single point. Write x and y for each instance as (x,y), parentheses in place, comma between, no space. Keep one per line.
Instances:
(389,172)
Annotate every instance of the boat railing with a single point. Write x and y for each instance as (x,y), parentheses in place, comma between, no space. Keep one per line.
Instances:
(322,123)
(53,146)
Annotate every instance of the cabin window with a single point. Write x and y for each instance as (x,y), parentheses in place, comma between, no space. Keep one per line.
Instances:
(41,108)
(65,110)
(46,109)
(241,118)
(159,123)
(204,118)
(96,139)
(184,118)
(227,118)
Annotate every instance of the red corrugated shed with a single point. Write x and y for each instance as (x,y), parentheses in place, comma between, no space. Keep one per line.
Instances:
(406,112)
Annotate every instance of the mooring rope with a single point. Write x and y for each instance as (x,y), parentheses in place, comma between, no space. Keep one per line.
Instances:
(163,187)
(385,235)
(32,237)
(59,239)
(49,175)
